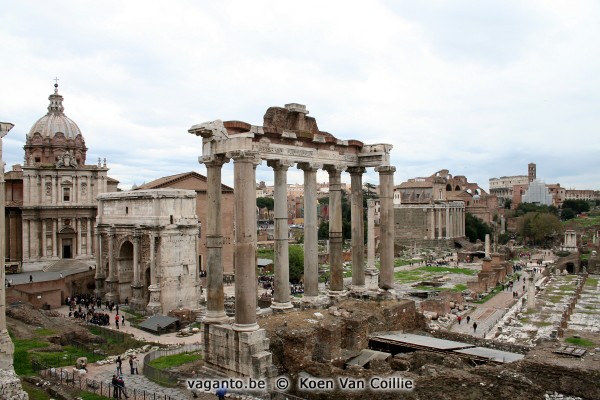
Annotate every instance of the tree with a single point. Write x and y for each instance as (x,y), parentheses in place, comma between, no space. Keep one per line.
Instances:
(507,203)
(578,206)
(265,202)
(296,260)
(567,213)
(539,228)
(346,218)
(475,228)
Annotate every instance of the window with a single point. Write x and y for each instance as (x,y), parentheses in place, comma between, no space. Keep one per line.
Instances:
(38,159)
(66,194)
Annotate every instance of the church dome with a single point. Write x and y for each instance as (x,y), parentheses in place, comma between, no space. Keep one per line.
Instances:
(55,121)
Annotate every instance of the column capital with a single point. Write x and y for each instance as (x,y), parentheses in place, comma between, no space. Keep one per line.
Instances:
(355,170)
(385,169)
(280,164)
(334,169)
(309,166)
(214,160)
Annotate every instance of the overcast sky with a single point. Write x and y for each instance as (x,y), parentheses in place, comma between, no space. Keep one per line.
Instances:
(481,88)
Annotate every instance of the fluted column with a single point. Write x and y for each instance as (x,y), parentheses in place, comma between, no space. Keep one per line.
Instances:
(432,222)
(358,230)
(55,238)
(386,195)
(245,252)
(447,215)
(439,222)
(311,228)
(78,238)
(43,238)
(282,267)
(99,276)
(335,229)
(215,306)
(88,238)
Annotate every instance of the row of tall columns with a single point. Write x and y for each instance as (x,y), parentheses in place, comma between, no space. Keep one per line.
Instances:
(453,217)
(30,230)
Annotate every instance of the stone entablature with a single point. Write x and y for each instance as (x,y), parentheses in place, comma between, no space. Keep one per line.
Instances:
(147,241)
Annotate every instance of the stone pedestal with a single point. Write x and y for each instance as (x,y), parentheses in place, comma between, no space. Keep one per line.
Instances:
(137,300)
(239,354)
(112,294)
(153,306)
(100,288)
(371,279)
(7,350)
(10,386)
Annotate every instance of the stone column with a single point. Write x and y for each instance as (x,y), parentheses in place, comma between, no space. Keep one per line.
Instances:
(43,238)
(154,305)
(99,276)
(370,234)
(432,222)
(487,246)
(55,237)
(386,195)
(447,215)
(358,234)
(530,292)
(282,268)
(26,253)
(54,189)
(78,237)
(245,252)
(88,238)
(215,295)
(336,285)
(112,280)
(137,288)
(311,228)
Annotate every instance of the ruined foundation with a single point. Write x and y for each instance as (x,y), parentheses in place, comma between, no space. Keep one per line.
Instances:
(240,354)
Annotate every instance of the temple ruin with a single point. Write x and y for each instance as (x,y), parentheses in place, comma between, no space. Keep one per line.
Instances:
(288,137)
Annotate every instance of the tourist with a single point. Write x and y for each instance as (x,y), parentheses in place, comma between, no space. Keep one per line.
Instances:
(117,321)
(474,326)
(135,365)
(468,319)
(115,384)
(131,364)
(122,320)
(119,362)
(121,384)
(30,278)
(459,319)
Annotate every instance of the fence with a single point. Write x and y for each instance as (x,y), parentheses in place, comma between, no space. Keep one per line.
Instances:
(77,381)
(160,376)
(118,337)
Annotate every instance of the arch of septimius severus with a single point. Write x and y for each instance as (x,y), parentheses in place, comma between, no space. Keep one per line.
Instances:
(288,137)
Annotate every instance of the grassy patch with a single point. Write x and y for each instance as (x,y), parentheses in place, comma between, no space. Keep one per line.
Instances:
(42,332)
(91,396)
(34,392)
(22,359)
(425,287)
(399,262)
(66,357)
(524,320)
(555,299)
(448,270)
(459,287)
(175,360)
(580,342)
(566,288)
(542,323)
(265,253)
(591,282)
(408,276)
(487,297)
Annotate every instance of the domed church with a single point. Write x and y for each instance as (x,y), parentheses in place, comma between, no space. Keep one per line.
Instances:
(59,191)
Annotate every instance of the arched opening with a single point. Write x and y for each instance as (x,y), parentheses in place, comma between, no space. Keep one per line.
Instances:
(448,188)
(570,268)
(125,270)
(457,188)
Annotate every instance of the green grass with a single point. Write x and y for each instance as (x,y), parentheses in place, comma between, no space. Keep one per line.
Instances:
(42,332)
(408,276)
(555,299)
(175,360)
(22,359)
(446,269)
(487,297)
(591,282)
(459,287)
(399,262)
(91,396)
(524,320)
(580,342)
(34,392)
(66,357)
(426,287)
(542,323)
(265,253)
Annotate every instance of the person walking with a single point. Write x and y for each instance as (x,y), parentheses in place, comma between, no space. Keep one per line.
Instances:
(474,326)
(117,321)
(468,319)
(30,278)
(122,320)
(459,319)
(131,364)
(118,361)
(135,365)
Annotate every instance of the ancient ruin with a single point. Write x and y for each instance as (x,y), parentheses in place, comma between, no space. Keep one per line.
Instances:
(288,136)
(147,249)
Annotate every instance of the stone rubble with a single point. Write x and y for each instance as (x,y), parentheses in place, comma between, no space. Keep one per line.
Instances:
(10,386)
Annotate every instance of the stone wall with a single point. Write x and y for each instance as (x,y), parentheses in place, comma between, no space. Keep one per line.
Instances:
(10,386)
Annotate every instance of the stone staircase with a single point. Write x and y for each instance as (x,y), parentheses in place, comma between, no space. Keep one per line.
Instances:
(66,264)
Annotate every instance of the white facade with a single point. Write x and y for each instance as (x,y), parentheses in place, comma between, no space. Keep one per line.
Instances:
(537,193)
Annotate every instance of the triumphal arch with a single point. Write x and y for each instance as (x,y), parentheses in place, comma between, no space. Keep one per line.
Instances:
(288,137)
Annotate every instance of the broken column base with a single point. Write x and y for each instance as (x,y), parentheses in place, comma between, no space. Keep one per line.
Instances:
(7,350)
(10,386)
(314,302)
(371,279)
(238,354)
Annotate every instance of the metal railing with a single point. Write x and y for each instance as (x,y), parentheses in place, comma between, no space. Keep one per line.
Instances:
(163,377)
(75,380)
